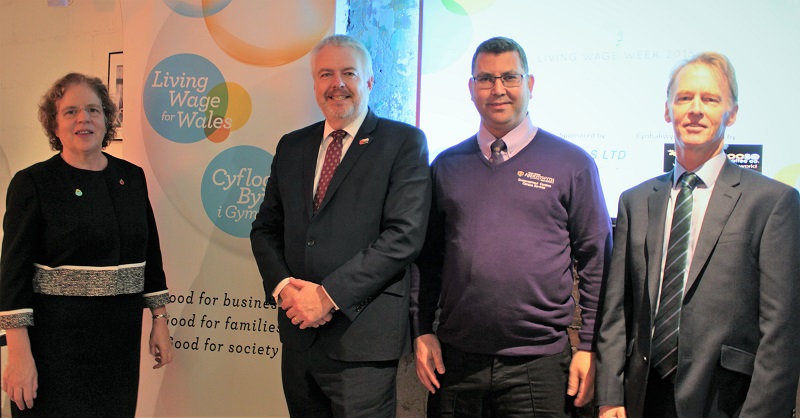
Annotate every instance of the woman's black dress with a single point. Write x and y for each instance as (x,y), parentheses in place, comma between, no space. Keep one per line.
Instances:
(80,261)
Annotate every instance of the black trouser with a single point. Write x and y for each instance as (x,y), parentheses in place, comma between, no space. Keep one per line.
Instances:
(659,400)
(318,386)
(478,385)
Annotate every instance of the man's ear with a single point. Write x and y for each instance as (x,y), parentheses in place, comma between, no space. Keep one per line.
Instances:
(732,115)
(667,117)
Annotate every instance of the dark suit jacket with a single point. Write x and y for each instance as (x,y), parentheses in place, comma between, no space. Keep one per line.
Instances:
(739,342)
(359,245)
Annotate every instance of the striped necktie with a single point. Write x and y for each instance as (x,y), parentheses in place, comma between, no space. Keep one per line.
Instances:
(665,335)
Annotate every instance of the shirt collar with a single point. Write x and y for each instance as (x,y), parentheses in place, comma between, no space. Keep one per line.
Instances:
(518,136)
(351,129)
(707,172)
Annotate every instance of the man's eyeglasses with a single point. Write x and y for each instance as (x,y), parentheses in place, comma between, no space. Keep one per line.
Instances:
(94,111)
(485,82)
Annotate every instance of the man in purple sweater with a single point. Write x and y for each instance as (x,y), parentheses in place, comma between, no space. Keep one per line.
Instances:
(514,210)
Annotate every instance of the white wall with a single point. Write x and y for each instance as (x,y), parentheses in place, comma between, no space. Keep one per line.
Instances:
(39,44)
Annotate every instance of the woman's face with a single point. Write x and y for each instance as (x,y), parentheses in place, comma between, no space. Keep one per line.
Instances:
(80,121)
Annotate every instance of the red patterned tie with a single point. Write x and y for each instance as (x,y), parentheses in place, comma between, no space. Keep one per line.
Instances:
(332,157)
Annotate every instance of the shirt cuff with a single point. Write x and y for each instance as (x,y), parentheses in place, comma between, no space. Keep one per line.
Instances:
(276,294)
(335,306)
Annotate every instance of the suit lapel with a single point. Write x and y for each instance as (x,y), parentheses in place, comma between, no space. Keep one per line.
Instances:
(720,206)
(310,156)
(657,204)
(361,141)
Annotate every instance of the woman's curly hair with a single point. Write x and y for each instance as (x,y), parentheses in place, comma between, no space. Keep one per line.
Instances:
(48,108)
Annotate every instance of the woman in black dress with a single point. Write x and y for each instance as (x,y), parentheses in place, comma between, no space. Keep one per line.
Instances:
(80,260)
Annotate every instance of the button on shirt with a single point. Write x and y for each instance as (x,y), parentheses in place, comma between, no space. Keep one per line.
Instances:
(708,174)
(515,140)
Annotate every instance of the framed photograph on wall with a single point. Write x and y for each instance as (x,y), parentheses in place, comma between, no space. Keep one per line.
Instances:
(115,86)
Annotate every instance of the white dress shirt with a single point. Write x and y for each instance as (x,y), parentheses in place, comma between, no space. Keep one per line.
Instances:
(707,174)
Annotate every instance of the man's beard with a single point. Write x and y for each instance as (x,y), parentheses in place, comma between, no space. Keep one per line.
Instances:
(333,112)
(341,113)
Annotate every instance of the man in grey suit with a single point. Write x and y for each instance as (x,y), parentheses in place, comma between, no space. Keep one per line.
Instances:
(345,212)
(722,339)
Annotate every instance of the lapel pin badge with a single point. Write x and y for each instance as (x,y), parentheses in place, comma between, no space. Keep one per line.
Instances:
(121,182)
(364,141)
(78,192)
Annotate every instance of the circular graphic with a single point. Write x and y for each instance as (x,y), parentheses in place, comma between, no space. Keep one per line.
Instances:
(178,99)
(270,33)
(198,9)
(466,7)
(235,105)
(233,188)
(448,31)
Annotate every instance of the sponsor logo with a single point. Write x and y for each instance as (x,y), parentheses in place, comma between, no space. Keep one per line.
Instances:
(745,156)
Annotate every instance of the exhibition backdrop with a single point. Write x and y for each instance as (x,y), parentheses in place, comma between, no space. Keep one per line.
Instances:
(601,69)
(211,86)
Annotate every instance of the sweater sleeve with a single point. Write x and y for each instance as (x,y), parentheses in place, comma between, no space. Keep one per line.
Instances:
(590,238)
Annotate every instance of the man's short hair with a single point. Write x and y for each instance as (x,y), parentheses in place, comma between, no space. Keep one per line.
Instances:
(346,41)
(498,45)
(718,63)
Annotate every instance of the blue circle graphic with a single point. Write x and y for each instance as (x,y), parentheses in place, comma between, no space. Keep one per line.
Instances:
(188,9)
(177,99)
(233,188)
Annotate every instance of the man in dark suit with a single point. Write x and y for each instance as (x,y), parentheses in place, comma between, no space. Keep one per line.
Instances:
(722,340)
(344,214)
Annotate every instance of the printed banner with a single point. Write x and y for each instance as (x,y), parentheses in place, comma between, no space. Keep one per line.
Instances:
(211,86)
